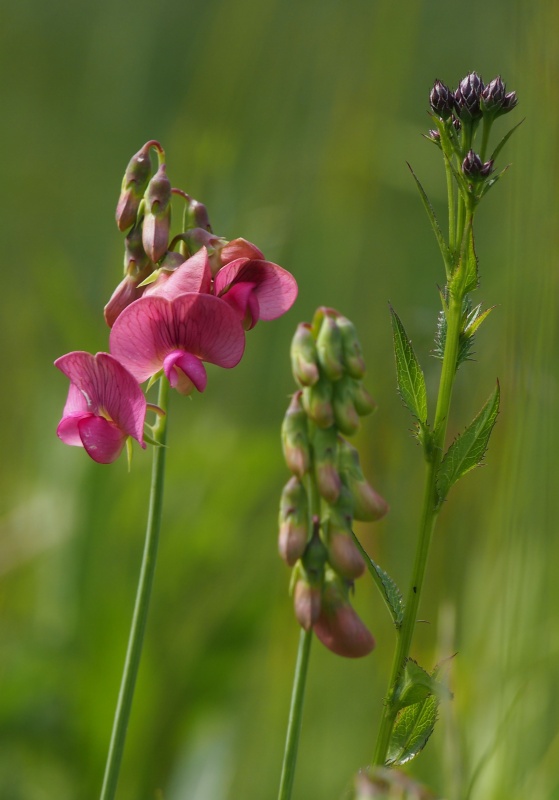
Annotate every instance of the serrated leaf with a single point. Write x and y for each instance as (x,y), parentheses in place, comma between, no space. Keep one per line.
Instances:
(388,588)
(415,685)
(411,381)
(504,140)
(412,729)
(443,247)
(468,450)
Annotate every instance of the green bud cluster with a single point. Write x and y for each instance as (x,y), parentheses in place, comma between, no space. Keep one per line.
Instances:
(316,532)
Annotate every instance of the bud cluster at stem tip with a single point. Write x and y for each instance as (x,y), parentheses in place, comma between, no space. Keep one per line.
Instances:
(327,490)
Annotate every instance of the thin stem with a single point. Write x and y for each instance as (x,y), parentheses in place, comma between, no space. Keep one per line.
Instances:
(428,518)
(141,606)
(295,716)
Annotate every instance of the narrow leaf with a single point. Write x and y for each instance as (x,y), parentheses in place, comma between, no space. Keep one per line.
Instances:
(412,729)
(411,382)
(386,585)
(472,276)
(468,450)
(443,247)
(504,140)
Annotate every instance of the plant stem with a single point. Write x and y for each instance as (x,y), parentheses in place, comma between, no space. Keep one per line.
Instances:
(429,515)
(141,606)
(295,716)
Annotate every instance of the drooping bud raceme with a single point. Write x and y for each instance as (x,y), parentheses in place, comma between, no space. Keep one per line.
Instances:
(157,219)
(442,100)
(105,405)
(134,184)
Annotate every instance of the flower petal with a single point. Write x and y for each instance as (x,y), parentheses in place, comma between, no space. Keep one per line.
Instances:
(103,440)
(178,365)
(193,275)
(275,287)
(153,327)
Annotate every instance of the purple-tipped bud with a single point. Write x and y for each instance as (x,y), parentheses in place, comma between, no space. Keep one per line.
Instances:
(368,505)
(343,555)
(493,96)
(325,448)
(293,521)
(294,437)
(468,96)
(433,136)
(442,100)
(474,168)
(457,125)
(354,362)
(510,101)
(345,413)
(330,349)
(306,602)
(157,220)
(134,185)
(135,257)
(304,358)
(317,402)
(338,627)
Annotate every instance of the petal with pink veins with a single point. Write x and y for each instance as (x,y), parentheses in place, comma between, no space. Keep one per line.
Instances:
(103,440)
(193,275)
(274,287)
(154,327)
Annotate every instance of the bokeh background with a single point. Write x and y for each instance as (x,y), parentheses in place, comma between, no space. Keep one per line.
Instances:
(292,121)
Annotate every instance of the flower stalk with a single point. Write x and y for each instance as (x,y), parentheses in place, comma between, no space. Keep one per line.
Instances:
(141,607)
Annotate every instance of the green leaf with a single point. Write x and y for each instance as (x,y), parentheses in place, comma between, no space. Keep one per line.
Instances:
(443,247)
(411,382)
(492,181)
(472,275)
(504,140)
(412,729)
(391,595)
(415,685)
(468,450)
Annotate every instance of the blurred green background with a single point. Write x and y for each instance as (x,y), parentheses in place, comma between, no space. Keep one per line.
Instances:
(292,121)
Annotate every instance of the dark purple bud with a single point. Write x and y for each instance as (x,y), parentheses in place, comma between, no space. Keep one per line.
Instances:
(457,125)
(474,168)
(433,136)
(134,185)
(493,95)
(509,102)
(468,96)
(442,100)
(157,220)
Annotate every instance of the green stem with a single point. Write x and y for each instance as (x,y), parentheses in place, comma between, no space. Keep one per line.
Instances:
(136,638)
(295,716)
(429,515)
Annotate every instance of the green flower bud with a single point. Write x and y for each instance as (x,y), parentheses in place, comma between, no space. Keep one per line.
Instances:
(368,505)
(330,349)
(343,555)
(325,449)
(134,185)
(157,220)
(294,437)
(304,358)
(293,521)
(136,259)
(362,400)
(345,413)
(317,402)
(306,602)
(352,354)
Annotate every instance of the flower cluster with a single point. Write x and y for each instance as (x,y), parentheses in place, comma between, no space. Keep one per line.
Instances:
(182,301)
(458,115)
(327,490)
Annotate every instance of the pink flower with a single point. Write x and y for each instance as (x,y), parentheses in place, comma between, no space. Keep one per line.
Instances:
(192,275)
(176,335)
(256,289)
(104,407)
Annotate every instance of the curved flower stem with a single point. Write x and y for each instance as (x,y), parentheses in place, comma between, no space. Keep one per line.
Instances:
(295,716)
(433,454)
(136,638)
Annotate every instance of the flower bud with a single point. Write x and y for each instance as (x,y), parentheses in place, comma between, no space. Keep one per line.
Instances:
(368,505)
(353,360)
(474,168)
(343,554)
(293,521)
(197,216)
(127,291)
(509,103)
(442,100)
(325,448)
(345,413)
(135,257)
(134,185)
(338,627)
(330,348)
(294,436)
(362,400)
(157,220)
(468,96)
(493,96)
(317,402)
(306,602)
(304,358)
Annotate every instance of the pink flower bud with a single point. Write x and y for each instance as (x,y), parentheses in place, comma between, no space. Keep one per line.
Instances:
(325,448)
(343,555)
(134,185)
(157,220)
(239,248)
(294,436)
(338,627)
(127,291)
(135,257)
(293,521)
(306,601)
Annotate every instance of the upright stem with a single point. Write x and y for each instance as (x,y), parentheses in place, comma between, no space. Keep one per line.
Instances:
(136,638)
(295,716)
(427,523)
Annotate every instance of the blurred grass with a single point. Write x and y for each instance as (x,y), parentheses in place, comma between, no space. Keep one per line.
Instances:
(292,122)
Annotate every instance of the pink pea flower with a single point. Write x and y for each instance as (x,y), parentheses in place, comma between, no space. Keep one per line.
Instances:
(256,289)
(191,275)
(104,407)
(176,335)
